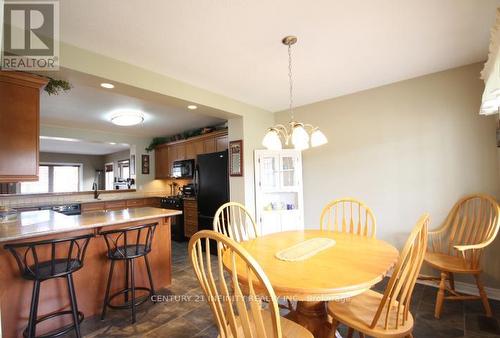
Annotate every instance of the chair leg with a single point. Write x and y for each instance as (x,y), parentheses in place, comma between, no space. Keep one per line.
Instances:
(452,280)
(361,335)
(132,286)
(125,294)
(151,285)
(33,309)
(333,332)
(484,296)
(108,286)
(74,304)
(350,332)
(440,296)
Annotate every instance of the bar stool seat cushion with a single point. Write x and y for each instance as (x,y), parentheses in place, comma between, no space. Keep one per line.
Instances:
(52,269)
(128,252)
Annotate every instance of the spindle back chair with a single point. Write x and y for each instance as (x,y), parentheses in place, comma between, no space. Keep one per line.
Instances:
(234,293)
(233,220)
(388,315)
(457,246)
(348,215)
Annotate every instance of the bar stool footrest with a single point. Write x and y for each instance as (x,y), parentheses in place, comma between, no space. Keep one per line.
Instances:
(128,305)
(57,332)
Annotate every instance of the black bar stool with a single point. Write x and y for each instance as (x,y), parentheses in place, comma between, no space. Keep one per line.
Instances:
(65,257)
(127,245)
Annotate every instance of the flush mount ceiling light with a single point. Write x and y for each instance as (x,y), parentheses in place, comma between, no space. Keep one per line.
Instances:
(301,135)
(127,118)
(107,85)
(192,107)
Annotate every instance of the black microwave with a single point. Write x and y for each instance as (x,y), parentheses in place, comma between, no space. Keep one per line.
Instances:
(183,169)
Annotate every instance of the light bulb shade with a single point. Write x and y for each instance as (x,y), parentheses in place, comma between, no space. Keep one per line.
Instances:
(127,118)
(300,137)
(272,140)
(318,138)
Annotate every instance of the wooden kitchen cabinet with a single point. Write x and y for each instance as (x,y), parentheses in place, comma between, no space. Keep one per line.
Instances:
(209,146)
(167,154)
(221,143)
(138,202)
(180,152)
(19,126)
(162,168)
(121,204)
(94,206)
(115,205)
(190,217)
(193,149)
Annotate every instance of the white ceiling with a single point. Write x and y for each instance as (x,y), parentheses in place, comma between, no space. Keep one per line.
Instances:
(75,146)
(88,106)
(233,47)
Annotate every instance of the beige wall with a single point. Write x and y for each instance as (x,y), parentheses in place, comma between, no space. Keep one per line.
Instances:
(90,163)
(406,148)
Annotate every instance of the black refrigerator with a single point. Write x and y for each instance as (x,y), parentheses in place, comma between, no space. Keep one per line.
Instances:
(212,186)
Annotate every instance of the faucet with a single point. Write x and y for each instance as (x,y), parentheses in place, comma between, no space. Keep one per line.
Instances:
(96,193)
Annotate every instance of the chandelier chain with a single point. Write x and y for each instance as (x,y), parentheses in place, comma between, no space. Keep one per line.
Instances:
(290,79)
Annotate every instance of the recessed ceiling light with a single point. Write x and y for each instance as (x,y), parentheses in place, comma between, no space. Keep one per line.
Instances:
(127,118)
(53,138)
(107,85)
(192,107)
(112,143)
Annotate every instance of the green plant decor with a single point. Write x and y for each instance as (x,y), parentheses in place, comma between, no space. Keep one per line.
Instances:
(182,136)
(55,87)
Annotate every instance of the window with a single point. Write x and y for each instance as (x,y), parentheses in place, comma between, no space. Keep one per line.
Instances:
(109,178)
(54,178)
(40,186)
(124,169)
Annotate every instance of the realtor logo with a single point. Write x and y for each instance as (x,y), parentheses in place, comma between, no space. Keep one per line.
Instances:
(30,36)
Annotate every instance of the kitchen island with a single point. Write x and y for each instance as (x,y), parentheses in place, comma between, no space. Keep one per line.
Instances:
(90,281)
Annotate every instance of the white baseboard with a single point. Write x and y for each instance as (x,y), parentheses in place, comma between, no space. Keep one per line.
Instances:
(467,288)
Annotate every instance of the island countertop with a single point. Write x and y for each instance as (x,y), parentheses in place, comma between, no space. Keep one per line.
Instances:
(45,222)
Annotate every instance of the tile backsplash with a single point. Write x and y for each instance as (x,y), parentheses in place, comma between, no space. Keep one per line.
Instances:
(21,201)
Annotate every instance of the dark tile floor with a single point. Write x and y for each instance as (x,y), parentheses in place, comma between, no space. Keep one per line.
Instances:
(182,314)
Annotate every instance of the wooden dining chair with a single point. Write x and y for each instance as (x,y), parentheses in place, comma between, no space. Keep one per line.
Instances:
(348,215)
(233,220)
(457,246)
(238,313)
(388,314)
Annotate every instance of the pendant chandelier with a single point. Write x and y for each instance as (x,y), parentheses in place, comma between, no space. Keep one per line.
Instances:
(301,135)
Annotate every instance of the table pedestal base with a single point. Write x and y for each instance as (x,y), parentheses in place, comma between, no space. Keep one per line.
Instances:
(313,316)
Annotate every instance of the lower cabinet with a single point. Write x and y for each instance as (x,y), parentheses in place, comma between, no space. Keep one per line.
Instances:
(121,204)
(115,205)
(138,202)
(91,207)
(190,217)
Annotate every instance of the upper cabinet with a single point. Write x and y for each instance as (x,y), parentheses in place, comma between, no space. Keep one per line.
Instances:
(166,154)
(19,126)
(162,170)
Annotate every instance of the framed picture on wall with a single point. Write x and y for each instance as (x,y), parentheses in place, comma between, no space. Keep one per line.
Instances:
(236,158)
(145,164)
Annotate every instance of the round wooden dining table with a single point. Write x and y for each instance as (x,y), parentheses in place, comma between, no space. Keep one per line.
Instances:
(350,267)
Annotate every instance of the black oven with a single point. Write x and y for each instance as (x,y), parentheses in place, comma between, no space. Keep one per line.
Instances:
(183,169)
